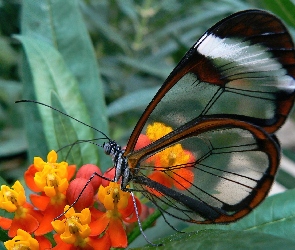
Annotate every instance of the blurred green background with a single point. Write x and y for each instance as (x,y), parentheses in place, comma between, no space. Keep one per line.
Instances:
(136,45)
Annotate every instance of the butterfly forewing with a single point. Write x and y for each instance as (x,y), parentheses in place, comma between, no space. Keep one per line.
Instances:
(228,173)
(241,68)
(216,158)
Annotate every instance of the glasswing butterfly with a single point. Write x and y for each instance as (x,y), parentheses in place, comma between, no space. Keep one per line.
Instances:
(219,107)
(222,103)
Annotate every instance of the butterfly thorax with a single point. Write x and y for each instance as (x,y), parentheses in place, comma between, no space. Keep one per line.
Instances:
(120,162)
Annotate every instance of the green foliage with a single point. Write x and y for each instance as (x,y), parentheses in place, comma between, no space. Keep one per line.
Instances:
(61,59)
(224,239)
(51,75)
(275,216)
(79,55)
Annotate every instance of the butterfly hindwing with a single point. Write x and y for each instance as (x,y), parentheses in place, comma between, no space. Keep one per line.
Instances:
(231,170)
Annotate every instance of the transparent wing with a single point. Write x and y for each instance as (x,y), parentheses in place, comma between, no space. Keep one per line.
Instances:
(214,171)
(242,68)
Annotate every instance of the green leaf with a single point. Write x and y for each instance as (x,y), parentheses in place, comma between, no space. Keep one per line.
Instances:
(224,239)
(65,134)
(60,24)
(2,181)
(146,67)
(51,74)
(3,237)
(106,29)
(137,99)
(284,9)
(12,136)
(33,125)
(275,216)
(13,141)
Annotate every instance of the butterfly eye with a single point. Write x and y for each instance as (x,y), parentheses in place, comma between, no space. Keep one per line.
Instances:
(107,148)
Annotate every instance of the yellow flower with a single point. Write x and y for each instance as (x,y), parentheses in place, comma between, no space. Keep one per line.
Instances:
(52,176)
(157,130)
(74,229)
(119,209)
(173,156)
(113,197)
(12,198)
(61,168)
(22,240)
(172,164)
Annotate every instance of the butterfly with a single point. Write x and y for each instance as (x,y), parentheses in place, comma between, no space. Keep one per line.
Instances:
(211,155)
(204,149)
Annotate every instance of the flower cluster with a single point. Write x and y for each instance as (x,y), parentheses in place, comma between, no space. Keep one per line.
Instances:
(83,214)
(94,222)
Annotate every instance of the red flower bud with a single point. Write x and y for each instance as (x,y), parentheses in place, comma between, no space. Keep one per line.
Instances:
(87,197)
(110,174)
(86,171)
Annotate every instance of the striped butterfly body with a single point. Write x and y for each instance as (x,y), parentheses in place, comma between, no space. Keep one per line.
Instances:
(209,154)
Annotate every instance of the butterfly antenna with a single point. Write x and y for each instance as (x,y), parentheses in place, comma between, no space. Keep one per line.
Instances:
(82,141)
(78,142)
(139,223)
(48,106)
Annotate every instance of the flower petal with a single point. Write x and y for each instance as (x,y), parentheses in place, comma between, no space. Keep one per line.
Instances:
(183,178)
(95,213)
(117,233)
(102,243)
(40,201)
(128,214)
(49,191)
(38,215)
(28,224)
(100,225)
(60,245)
(29,178)
(71,171)
(85,231)
(5,223)
(50,213)
(108,202)
(38,163)
(68,238)
(52,156)
(58,226)
(157,130)
(44,243)
(162,178)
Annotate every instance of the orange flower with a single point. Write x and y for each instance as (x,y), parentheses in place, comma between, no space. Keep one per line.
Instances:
(172,168)
(23,240)
(119,208)
(13,200)
(74,231)
(52,180)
